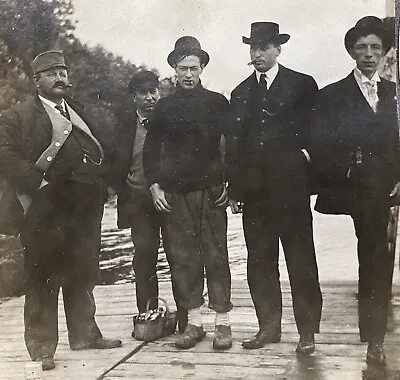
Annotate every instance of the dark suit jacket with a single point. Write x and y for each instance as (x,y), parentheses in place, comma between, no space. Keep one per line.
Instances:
(124,140)
(343,121)
(293,95)
(25,132)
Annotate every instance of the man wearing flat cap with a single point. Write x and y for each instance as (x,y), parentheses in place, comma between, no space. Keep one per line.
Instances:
(356,158)
(185,171)
(267,171)
(135,206)
(56,161)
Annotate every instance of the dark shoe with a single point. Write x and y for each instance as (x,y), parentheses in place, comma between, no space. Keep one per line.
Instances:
(222,338)
(47,363)
(262,338)
(375,354)
(306,345)
(190,337)
(99,343)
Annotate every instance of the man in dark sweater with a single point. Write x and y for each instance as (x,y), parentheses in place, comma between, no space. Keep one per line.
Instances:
(185,171)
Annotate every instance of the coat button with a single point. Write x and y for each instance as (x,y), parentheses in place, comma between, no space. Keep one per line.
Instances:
(49,158)
(238,119)
(57,143)
(66,132)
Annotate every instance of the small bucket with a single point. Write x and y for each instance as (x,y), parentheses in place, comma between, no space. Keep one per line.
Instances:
(149,328)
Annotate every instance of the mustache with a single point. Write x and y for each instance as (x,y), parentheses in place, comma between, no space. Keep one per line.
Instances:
(62,84)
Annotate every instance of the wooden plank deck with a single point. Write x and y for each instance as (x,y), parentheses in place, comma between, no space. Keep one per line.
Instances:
(339,353)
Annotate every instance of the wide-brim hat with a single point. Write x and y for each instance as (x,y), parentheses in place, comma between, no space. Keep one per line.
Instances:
(48,60)
(366,26)
(265,32)
(187,45)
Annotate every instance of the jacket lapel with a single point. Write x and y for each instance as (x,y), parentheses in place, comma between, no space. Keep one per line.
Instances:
(355,97)
(42,116)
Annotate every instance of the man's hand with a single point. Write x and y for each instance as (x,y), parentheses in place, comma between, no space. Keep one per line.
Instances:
(236,207)
(222,201)
(159,201)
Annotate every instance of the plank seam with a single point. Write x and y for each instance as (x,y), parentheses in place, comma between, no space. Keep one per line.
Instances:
(123,360)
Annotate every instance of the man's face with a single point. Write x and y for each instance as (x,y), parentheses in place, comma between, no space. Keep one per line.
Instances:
(263,56)
(52,84)
(368,53)
(188,72)
(146,99)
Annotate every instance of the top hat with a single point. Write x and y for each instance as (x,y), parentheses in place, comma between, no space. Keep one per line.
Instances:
(187,45)
(48,60)
(265,32)
(366,26)
(145,80)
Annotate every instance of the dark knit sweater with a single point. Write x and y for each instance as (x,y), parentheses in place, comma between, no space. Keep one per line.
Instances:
(182,147)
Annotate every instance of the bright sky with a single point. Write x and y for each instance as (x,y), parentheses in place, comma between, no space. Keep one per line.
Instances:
(145,31)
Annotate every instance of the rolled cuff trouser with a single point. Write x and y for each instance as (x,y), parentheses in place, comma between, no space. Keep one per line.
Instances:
(196,230)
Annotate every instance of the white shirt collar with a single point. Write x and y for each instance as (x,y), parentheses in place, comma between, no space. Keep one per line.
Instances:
(51,103)
(140,117)
(271,73)
(361,78)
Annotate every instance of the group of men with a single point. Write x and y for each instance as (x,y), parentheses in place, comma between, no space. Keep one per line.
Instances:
(172,175)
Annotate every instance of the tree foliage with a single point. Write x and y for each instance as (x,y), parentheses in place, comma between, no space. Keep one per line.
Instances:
(99,78)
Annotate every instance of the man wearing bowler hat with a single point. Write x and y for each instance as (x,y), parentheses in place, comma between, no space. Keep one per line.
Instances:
(267,170)
(355,150)
(135,205)
(56,160)
(185,171)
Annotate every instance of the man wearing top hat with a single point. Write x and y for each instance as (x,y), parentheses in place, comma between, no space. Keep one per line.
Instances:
(135,205)
(63,206)
(185,171)
(267,171)
(356,158)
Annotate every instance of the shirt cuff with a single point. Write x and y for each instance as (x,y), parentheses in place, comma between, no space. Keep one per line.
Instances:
(304,151)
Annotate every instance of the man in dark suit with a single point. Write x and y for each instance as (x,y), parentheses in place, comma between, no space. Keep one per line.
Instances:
(135,204)
(356,157)
(63,208)
(268,171)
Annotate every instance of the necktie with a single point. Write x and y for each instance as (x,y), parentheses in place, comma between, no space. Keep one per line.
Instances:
(372,91)
(60,108)
(263,81)
(145,123)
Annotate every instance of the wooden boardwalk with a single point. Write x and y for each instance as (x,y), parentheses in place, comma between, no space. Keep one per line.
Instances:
(339,353)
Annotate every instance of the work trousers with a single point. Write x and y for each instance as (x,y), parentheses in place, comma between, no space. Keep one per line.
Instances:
(196,231)
(147,223)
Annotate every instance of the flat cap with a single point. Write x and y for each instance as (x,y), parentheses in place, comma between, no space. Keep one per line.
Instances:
(48,60)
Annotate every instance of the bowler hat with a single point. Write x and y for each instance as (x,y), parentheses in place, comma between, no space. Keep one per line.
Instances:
(48,60)
(187,45)
(265,32)
(144,79)
(366,26)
